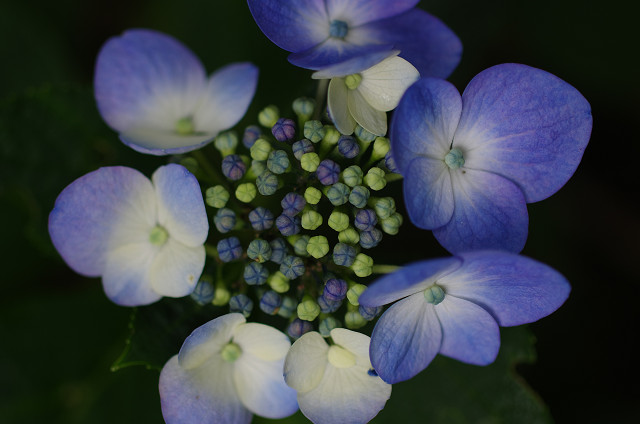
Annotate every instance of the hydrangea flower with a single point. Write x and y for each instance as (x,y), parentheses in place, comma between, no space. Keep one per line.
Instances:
(227,370)
(336,383)
(472,162)
(453,306)
(154,91)
(145,238)
(320,33)
(364,88)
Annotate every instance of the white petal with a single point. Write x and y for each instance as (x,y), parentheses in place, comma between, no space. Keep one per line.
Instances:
(306,361)
(176,268)
(383,85)
(372,120)
(337,104)
(262,341)
(354,342)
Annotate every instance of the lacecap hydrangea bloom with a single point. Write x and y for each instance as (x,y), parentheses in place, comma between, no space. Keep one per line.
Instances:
(226,371)
(335,383)
(144,238)
(364,88)
(320,33)
(454,306)
(472,162)
(154,92)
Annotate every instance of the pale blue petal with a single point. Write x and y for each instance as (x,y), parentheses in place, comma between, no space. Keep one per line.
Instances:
(358,12)
(292,25)
(335,51)
(514,289)
(126,274)
(425,121)
(423,40)
(490,213)
(406,339)
(181,208)
(146,79)
(227,98)
(84,223)
(525,124)
(428,193)
(408,280)
(163,141)
(176,268)
(354,65)
(469,333)
(207,340)
(202,395)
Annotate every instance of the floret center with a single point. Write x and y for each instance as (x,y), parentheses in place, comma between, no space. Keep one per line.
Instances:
(231,352)
(338,28)
(184,126)
(158,235)
(454,158)
(434,294)
(353,81)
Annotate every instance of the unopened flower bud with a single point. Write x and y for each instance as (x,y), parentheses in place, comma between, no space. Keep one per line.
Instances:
(384,207)
(312,195)
(314,131)
(292,267)
(301,147)
(344,254)
(303,107)
(353,320)
(269,116)
(278,161)
(364,135)
(352,176)
(270,302)
(392,224)
(203,293)
(328,172)
(267,183)
(260,149)
(261,218)
(338,221)
(318,246)
(233,167)
(338,194)
(278,282)
(250,135)
(288,307)
(217,196)
(226,142)
(371,238)
(349,236)
(246,192)
(335,289)
(255,274)
(390,163)
(311,219)
(278,250)
(369,313)
(284,129)
(259,250)
(331,135)
(292,204)
(328,306)
(308,310)
(224,220)
(300,245)
(359,196)
(257,168)
(328,324)
(354,292)
(375,179)
(348,147)
(363,265)
(310,161)
(298,327)
(365,219)
(288,225)
(221,295)
(380,148)
(242,304)
(229,249)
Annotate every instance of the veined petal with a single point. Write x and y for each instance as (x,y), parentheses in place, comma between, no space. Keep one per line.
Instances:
(405,339)
(358,12)
(354,65)
(469,333)
(354,342)
(176,268)
(262,341)
(335,51)
(337,104)
(425,121)
(161,142)
(227,97)
(126,274)
(513,288)
(423,40)
(372,120)
(146,80)
(383,85)
(428,193)
(490,213)
(261,387)
(345,396)
(306,362)
(98,211)
(204,395)
(408,280)
(526,125)
(207,340)
(181,208)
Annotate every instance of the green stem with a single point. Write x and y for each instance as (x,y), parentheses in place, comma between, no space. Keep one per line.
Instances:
(385,269)
(211,251)
(390,177)
(321,95)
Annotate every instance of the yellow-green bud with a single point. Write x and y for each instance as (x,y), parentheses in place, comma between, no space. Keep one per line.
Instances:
(338,221)
(217,196)
(278,282)
(375,179)
(310,220)
(392,224)
(354,292)
(221,295)
(380,148)
(318,246)
(312,195)
(353,320)
(310,161)
(269,116)
(349,236)
(303,107)
(331,135)
(353,81)
(246,192)
(260,149)
(363,265)
(226,143)
(308,310)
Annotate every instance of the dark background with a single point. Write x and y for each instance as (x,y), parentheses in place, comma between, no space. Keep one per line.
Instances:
(58,332)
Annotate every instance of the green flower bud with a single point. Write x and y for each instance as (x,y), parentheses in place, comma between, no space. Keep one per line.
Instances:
(256,169)
(303,107)
(260,149)
(278,161)
(359,196)
(226,143)
(278,282)
(354,292)
(288,307)
(364,135)
(352,176)
(331,135)
(312,195)
(380,148)
(311,220)
(308,309)
(221,295)
(362,265)
(328,324)
(314,131)
(349,236)
(375,179)
(217,196)
(246,192)
(318,246)
(338,221)
(391,225)
(300,245)
(310,161)
(338,194)
(354,320)
(269,116)
(384,207)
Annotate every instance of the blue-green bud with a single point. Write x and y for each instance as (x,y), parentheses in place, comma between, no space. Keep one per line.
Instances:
(269,116)
(224,220)
(301,147)
(204,292)
(242,304)
(353,320)
(260,149)
(328,324)
(267,183)
(226,143)
(344,254)
(375,179)
(303,107)
(292,267)
(349,236)
(278,161)
(454,159)
(364,135)
(352,176)
(338,194)
(314,131)
(255,274)
(278,250)
(259,250)
(359,196)
(288,307)
(392,224)
(363,265)
(434,294)
(312,195)
(246,192)
(300,245)
(384,206)
(318,246)
(217,196)
(270,302)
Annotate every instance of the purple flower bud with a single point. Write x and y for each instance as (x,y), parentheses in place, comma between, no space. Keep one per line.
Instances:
(242,304)
(288,225)
(298,327)
(328,172)
(233,167)
(365,219)
(348,147)
(335,289)
(229,249)
(301,147)
(270,302)
(292,204)
(261,218)
(251,134)
(328,306)
(284,129)
(370,239)
(369,313)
